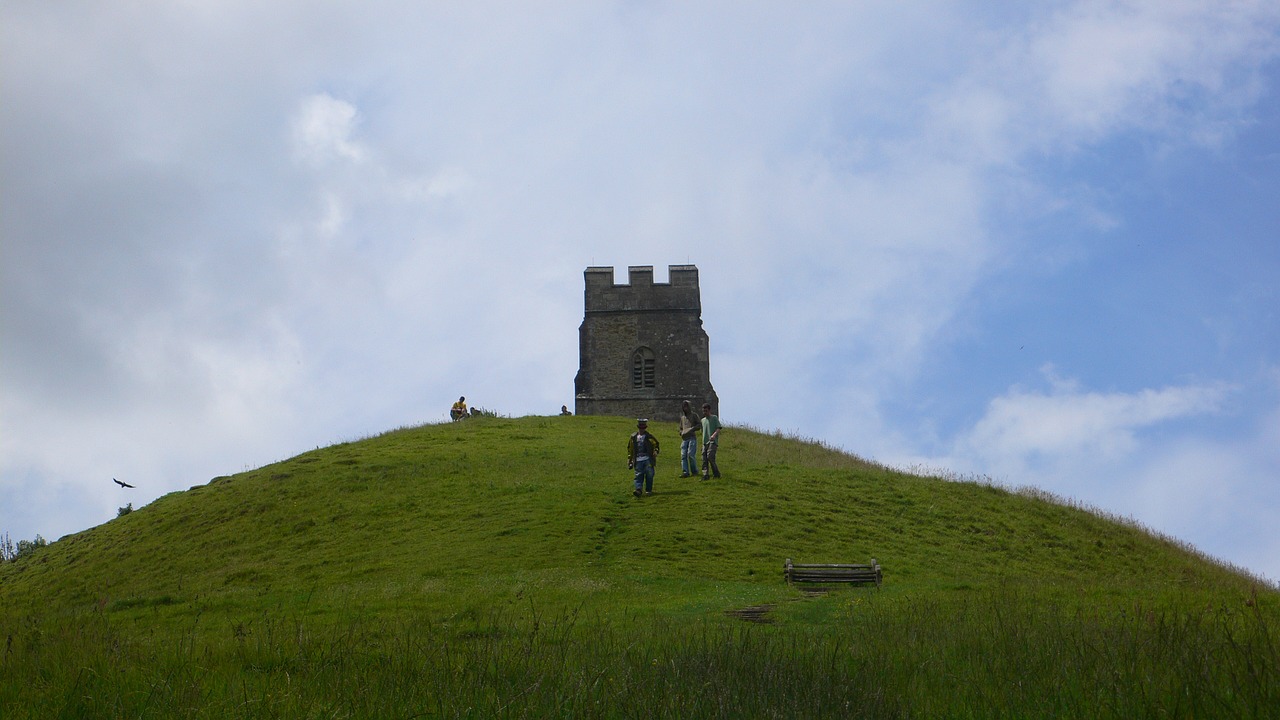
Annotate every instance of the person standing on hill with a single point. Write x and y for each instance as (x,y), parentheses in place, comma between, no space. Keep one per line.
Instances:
(710,440)
(689,426)
(642,456)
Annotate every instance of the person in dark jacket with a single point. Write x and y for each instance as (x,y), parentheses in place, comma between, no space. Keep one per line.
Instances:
(642,456)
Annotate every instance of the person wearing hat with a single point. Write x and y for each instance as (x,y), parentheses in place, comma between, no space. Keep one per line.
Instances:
(642,455)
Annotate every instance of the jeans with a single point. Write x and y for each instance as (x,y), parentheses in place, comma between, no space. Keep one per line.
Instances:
(709,459)
(644,474)
(689,455)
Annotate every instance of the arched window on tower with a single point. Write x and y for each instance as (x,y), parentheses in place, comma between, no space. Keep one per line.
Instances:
(642,368)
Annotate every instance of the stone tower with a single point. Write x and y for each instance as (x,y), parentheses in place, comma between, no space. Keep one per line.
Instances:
(641,346)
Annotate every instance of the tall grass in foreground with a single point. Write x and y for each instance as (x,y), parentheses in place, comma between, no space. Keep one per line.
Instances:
(980,655)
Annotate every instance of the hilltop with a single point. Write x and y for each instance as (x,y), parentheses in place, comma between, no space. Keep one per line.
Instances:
(494,523)
(546,502)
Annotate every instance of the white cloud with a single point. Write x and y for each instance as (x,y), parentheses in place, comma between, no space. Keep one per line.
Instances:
(446,183)
(323,128)
(1107,64)
(1179,69)
(1026,429)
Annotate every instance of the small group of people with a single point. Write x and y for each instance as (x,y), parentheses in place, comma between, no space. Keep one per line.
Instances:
(459,409)
(642,448)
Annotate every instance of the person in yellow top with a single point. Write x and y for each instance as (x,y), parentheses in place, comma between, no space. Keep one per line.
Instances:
(459,409)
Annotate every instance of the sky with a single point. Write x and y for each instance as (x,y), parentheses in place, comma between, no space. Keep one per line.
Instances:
(1035,244)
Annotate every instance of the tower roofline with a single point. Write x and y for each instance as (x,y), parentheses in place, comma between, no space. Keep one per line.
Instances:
(641,293)
(640,275)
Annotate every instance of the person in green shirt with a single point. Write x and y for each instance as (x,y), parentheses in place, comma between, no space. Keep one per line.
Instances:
(710,440)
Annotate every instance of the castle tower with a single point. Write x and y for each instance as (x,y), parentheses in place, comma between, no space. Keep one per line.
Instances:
(641,346)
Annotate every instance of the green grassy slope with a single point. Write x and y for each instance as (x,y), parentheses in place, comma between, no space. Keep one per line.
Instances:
(501,568)
(456,516)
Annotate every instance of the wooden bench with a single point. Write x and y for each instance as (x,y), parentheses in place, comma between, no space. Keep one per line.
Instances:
(833,573)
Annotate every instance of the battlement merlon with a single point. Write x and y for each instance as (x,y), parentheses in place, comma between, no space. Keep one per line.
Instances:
(642,293)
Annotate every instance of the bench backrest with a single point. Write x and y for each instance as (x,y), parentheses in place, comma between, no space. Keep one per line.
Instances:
(833,572)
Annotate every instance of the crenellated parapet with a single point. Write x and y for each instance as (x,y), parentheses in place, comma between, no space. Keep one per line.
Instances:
(641,292)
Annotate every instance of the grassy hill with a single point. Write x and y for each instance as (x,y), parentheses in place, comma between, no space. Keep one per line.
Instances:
(502,567)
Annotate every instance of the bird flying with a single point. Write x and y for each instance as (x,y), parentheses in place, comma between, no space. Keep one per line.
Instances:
(121,484)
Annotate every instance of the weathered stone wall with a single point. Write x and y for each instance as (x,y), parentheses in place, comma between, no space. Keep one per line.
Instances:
(664,319)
